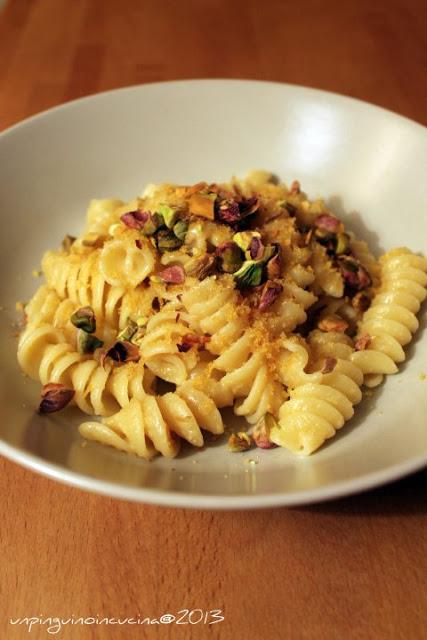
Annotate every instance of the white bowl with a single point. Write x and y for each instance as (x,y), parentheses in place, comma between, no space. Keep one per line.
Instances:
(369,164)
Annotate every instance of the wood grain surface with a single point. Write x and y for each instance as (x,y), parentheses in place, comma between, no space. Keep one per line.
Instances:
(352,569)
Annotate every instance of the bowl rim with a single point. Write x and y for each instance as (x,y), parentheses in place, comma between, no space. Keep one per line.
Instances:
(183,499)
(198,500)
(64,106)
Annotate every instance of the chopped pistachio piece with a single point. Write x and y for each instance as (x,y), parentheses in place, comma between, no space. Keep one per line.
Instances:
(180,229)
(229,257)
(261,433)
(167,241)
(123,351)
(200,268)
(249,274)
(54,397)
(87,342)
(203,205)
(154,222)
(129,330)
(342,243)
(243,238)
(239,442)
(169,214)
(84,318)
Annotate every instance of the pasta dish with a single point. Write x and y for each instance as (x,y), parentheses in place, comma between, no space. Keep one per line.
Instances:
(190,299)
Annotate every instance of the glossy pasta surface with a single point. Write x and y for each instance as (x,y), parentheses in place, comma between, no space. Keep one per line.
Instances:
(192,298)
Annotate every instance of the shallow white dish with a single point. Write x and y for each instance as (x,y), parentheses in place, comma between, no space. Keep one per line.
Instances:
(368,163)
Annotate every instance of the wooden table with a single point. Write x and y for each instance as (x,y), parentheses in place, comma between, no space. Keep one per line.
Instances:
(352,569)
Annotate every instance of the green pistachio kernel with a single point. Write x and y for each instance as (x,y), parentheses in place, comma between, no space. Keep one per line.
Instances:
(249,274)
(238,442)
(168,214)
(154,222)
(129,330)
(243,238)
(343,243)
(87,342)
(180,229)
(200,267)
(229,256)
(84,318)
(167,241)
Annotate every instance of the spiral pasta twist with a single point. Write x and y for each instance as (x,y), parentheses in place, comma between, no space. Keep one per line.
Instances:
(147,425)
(46,307)
(362,253)
(215,311)
(159,346)
(246,378)
(390,321)
(315,410)
(79,279)
(45,355)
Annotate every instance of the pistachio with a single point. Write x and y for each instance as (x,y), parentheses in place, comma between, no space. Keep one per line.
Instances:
(231,212)
(135,219)
(362,342)
(326,238)
(354,274)
(140,332)
(269,295)
(249,274)
(229,257)
(247,206)
(342,244)
(167,241)
(275,264)
(123,351)
(191,340)
(228,211)
(261,432)
(200,268)
(200,186)
(67,242)
(256,249)
(55,397)
(87,342)
(169,214)
(129,330)
(333,323)
(329,224)
(269,252)
(203,205)
(174,274)
(244,238)
(180,229)
(84,318)
(239,442)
